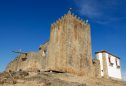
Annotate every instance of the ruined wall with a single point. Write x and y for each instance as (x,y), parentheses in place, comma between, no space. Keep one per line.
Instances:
(70,46)
(30,61)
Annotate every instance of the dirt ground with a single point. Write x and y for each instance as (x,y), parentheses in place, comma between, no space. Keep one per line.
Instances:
(57,79)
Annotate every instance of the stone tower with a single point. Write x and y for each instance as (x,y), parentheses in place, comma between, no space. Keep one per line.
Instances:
(69,47)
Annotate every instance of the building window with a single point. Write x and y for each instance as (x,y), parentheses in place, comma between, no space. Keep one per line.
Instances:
(110,63)
(20,70)
(117,63)
(10,71)
(46,52)
(24,59)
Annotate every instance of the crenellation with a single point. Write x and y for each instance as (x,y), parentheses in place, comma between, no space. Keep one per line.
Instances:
(69,12)
(62,17)
(57,22)
(52,25)
(86,21)
(65,16)
(82,22)
(73,14)
(78,18)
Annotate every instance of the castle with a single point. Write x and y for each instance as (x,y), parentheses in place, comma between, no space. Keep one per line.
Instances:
(68,50)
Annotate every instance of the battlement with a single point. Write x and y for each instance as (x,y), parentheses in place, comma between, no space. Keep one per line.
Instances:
(69,17)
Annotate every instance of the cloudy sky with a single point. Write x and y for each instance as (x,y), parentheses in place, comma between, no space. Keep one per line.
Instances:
(25,24)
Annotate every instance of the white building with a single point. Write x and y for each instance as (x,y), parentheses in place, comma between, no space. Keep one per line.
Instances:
(110,65)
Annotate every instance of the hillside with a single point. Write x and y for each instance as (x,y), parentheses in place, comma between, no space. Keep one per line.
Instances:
(53,79)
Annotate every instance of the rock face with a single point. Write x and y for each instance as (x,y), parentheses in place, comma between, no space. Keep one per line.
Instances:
(70,46)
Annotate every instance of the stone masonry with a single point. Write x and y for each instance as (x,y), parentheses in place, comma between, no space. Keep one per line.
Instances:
(30,62)
(70,46)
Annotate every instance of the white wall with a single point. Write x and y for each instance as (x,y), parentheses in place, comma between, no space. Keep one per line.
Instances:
(113,71)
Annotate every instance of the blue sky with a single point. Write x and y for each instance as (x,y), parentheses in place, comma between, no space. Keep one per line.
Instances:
(25,24)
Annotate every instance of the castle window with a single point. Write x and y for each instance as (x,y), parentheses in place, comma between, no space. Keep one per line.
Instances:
(10,71)
(20,70)
(38,71)
(110,63)
(46,52)
(118,67)
(24,59)
(117,63)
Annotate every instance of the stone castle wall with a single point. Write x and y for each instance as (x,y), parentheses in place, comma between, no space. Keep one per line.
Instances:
(70,46)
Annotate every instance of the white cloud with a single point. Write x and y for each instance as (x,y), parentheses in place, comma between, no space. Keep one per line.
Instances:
(103,12)
(89,8)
